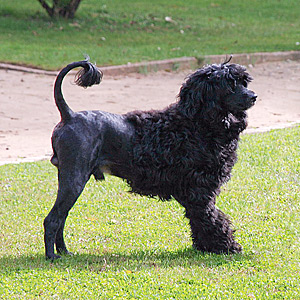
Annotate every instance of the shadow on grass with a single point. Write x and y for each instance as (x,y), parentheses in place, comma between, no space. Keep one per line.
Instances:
(135,261)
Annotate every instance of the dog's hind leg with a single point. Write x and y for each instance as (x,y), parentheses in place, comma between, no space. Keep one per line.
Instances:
(211,228)
(71,181)
(60,245)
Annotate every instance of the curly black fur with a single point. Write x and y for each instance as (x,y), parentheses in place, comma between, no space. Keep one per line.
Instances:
(185,151)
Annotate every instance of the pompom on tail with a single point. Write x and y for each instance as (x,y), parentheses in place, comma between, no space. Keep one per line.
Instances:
(89,75)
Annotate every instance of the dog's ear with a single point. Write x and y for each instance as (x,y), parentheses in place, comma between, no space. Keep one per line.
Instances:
(238,73)
(195,94)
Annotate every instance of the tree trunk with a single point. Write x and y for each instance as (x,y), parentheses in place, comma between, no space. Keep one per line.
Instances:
(61,8)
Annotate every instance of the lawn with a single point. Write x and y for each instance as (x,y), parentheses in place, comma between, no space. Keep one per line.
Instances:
(132,247)
(117,31)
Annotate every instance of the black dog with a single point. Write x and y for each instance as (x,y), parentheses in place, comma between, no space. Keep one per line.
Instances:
(185,151)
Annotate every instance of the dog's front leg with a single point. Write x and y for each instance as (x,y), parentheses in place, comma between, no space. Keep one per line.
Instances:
(211,228)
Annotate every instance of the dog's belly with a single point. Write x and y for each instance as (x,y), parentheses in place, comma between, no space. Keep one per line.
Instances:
(118,166)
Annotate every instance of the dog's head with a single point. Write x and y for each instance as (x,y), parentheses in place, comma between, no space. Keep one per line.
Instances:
(217,89)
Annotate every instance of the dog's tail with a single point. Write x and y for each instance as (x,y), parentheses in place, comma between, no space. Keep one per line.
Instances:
(87,76)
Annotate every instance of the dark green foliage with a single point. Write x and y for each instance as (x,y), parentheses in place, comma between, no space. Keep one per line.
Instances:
(116,32)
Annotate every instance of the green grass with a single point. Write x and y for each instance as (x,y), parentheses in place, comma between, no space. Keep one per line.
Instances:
(116,31)
(131,247)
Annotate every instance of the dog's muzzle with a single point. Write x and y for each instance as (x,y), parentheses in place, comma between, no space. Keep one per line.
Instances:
(253,99)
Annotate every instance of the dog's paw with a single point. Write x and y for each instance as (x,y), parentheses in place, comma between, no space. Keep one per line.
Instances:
(64,251)
(67,253)
(53,257)
(235,248)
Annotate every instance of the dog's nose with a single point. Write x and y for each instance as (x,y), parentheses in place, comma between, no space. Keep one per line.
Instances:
(254,97)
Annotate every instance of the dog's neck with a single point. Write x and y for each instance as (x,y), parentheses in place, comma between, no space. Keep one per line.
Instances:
(227,125)
(236,122)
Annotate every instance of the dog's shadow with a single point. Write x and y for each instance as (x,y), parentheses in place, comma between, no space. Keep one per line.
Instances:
(134,261)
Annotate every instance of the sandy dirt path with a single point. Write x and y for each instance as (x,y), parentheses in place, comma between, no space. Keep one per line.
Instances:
(28,113)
